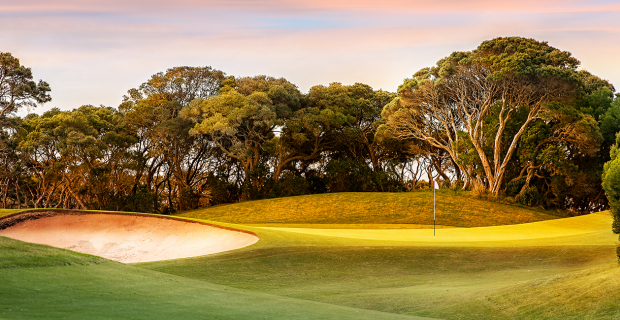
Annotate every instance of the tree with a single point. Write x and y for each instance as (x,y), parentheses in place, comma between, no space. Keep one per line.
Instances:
(168,160)
(516,81)
(243,117)
(17,89)
(611,185)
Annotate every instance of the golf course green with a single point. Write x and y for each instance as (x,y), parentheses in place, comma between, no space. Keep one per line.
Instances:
(338,256)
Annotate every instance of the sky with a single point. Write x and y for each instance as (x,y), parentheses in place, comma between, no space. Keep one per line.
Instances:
(92,52)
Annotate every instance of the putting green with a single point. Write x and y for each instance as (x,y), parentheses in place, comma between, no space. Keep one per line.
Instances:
(592,229)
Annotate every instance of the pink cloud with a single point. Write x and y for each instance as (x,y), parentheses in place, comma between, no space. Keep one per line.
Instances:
(299,6)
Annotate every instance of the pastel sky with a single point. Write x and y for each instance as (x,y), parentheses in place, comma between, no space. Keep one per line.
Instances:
(92,52)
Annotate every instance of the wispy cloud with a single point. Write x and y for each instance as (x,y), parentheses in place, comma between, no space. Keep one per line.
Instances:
(93,51)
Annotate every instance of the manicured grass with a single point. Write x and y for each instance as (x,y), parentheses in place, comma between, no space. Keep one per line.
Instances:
(392,279)
(595,227)
(19,254)
(347,269)
(456,277)
(459,210)
(591,293)
(115,291)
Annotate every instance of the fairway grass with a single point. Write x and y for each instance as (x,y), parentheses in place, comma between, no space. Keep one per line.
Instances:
(19,254)
(349,208)
(414,280)
(115,291)
(346,269)
(462,273)
(572,231)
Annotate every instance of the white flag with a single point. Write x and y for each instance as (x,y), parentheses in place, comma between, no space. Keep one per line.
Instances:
(436,185)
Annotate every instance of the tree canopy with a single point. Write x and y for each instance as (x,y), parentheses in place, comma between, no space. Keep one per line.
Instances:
(514,118)
(17,89)
(509,111)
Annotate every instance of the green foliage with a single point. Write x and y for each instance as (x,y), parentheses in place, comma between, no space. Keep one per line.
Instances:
(514,187)
(351,176)
(288,185)
(508,56)
(17,89)
(191,137)
(141,201)
(611,184)
(529,196)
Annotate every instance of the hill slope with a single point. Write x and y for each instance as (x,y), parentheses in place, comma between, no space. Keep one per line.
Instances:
(380,209)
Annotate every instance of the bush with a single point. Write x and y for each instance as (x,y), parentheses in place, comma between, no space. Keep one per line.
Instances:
(513,187)
(529,196)
(288,185)
(345,175)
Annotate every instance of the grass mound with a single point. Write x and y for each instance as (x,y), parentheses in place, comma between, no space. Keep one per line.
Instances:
(19,254)
(355,209)
(116,291)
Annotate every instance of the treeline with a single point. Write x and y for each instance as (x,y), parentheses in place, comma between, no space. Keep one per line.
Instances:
(512,118)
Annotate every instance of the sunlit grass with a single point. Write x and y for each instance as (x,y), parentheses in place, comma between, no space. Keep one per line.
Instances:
(19,254)
(112,290)
(6,212)
(453,209)
(551,269)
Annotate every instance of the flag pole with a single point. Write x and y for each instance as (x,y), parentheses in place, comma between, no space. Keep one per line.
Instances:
(434,205)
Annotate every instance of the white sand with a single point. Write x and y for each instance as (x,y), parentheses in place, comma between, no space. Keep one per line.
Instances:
(129,238)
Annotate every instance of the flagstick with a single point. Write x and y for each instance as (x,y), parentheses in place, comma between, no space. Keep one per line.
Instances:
(434,209)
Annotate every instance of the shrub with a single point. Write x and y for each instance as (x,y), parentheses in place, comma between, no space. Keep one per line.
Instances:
(529,196)
(513,187)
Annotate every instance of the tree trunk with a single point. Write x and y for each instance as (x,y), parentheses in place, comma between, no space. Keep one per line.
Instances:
(18,194)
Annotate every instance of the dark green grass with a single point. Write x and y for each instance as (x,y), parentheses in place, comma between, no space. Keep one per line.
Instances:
(453,209)
(418,280)
(18,254)
(116,291)
(591,293)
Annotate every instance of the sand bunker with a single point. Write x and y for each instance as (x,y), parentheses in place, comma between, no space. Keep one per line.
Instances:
(126,238)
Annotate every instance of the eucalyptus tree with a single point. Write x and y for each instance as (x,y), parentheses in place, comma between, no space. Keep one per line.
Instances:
(360,108)
(311,130)
(243,117)
(38,147)
(167,160)
(17,89)
(76,158)
(479,104)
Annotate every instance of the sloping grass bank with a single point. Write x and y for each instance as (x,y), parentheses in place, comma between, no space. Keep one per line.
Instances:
(6,212)
(111,290)
(406,208)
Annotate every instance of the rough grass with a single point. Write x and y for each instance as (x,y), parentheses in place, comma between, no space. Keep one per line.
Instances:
(453,209)
(591,293)
(6,212)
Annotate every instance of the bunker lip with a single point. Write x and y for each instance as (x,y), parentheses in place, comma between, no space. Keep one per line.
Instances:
(123,237)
